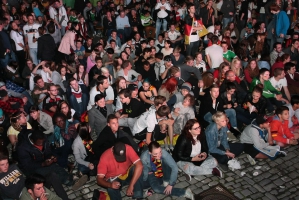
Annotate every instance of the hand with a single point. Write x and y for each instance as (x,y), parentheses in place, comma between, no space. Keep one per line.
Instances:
(196,158)
(203,155)
(54,159)
(215,80)
(293,142)
(130,190)
(235,105)
(231,13)
(278,97)
(228,106)
(117,114)
(229,154)
(91,166)
(124,116)
(95,76)
(177,110)
(167,190)
(25,99)
(281,35)
(43,196)
(115,185)
(200,84)
(47,162)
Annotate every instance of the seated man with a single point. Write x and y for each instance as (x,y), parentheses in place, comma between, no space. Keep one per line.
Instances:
(132,108)
(257,140)
(40,120)
(50,102)
(280,131)
(35,157)
(110,135)
(279,82)
(39,91)
(77,95)
(120,166)
(174,36)
(159,167)
(294,113)
(147,126)
(35,189)
(292,77)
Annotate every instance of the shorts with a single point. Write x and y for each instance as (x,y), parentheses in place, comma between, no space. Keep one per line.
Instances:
(249,149)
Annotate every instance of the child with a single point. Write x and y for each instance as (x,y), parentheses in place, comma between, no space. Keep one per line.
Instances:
(80,51)
(280,131)
(199,63)
(73,16)
(183,111)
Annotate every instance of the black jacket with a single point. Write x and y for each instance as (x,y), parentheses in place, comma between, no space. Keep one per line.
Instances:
(183,149)
(46,47)
(260,105)
(241,93)
(225,100)
(107,140)
(207,105)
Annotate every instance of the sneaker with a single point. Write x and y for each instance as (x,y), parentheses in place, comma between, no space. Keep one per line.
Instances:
(231,137)
(251,160)
(189,194)
(281,154)
(217,172)
(149,192)
(188,177)
(80,182)
(171,148)
(223,167)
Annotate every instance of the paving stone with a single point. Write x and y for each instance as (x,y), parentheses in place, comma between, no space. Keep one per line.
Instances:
(270,196)
(278,182)
(237,194)
(207,180)
(213,183)
(229,179)
(182,184)
(246,192)
(265,182)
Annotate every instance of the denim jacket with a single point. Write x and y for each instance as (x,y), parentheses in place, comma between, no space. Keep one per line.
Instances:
(212,134)
(166,159)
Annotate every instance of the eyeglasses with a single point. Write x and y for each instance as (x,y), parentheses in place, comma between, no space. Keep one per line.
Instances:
(197,128)
(62,108)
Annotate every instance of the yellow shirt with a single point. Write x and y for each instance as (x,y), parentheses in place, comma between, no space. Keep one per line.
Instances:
(12,131)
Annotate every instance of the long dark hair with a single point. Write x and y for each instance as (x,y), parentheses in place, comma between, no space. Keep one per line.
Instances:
(69,113)
(186,131)
(83,131)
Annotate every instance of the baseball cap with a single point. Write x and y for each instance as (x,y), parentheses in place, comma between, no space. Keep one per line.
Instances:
(132,87)
(2,84)
(119,152)
(261,119)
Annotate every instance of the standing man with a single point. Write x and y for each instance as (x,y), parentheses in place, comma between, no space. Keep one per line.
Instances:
(120,166)
(214,54)
(193,25)
(31,36)
(6,50)
(228,10)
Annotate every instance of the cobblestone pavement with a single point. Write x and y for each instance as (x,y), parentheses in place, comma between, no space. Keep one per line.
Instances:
(278,179)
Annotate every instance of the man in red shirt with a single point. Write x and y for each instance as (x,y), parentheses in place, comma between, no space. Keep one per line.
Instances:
(120,166)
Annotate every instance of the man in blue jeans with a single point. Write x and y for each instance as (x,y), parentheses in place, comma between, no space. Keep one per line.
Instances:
(119,166)
(159,167)
(77,95)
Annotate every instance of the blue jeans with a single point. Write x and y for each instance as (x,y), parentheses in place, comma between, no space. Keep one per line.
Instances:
(7,58)
(226,21)
(138,187)
(79,107)
(63,152)
(235,148)
(230,113)
(156,183)
(33,55)
(83,169)
(159,23)
(126,33)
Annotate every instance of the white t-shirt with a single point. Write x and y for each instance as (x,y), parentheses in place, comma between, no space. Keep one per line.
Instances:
(216,55)
(174,35)
(196,149)
(29,31)
(17,38)
(278,84)
(94,92)
(146,120)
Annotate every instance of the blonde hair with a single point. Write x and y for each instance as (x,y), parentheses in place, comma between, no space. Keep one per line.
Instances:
(237,71)
(218,115)
(104,70)
(14,120)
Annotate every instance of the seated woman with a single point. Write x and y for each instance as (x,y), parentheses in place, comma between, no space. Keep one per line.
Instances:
(98,114)
(219,74)
(83,152)
(280,131)
(147,93)
(191,152)
(65,76)
(251,70)
(168,88)
(105,72)
(159,167)
(72,116)
(254,104)
(64,135)
(81,76)
(218,145)
(18,123)
(182,112)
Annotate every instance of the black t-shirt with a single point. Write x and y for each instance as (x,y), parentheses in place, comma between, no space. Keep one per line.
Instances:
(134,109)
(11,183)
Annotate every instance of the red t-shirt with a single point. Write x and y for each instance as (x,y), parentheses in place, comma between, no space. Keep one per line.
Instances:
(110,168)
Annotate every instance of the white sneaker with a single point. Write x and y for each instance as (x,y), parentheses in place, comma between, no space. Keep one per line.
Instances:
(189,194)
(188,177)
(251,160)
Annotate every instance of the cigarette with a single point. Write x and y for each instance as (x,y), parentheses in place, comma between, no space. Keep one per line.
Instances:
(46,193)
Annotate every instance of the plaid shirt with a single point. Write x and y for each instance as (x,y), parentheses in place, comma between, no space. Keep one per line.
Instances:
(6,106)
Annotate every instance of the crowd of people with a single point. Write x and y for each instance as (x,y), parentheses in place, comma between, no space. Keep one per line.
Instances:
(139,90)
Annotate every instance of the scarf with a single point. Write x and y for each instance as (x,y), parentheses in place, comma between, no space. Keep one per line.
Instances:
(87,145)
(103,111)
(157,167)
(77,94)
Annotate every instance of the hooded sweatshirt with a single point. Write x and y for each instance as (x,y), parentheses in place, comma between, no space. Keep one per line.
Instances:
(280,130)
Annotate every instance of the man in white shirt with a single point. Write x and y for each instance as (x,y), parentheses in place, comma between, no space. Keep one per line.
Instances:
(174,36)
(31,36)
(279,81)
(18,38)
(214,54)
(102,87)
(123,26)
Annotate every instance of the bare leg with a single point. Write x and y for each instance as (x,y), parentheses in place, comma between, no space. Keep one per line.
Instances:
(261,156)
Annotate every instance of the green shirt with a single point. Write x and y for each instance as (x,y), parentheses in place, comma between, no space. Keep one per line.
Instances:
(229,55)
